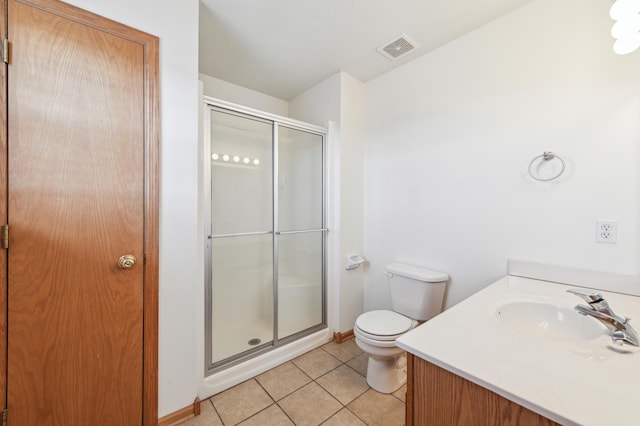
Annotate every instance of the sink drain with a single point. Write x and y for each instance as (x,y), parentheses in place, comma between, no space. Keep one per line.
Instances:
(254,342)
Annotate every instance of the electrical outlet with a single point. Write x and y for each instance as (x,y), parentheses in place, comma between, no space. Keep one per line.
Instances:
(607,231)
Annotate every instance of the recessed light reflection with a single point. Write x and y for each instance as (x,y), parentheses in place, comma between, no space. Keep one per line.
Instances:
(239,159)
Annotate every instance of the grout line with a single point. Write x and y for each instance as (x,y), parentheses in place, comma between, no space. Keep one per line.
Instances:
(357,416)
(285,413)
(265,390)
(264,409)
(215,410)
(354,369)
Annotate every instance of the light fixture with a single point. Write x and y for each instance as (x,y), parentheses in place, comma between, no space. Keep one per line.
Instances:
(626,29)
(214,156)
(246,160)
(225,157)
(236,158)
(256,162)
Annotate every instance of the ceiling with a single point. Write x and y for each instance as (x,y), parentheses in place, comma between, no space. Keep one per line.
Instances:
(283,47)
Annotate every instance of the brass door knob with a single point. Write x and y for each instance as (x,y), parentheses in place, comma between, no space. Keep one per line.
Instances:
(126,261)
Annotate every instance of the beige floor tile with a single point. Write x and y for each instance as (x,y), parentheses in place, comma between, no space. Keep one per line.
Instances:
(282,380)
(316,363)
(401,393)
(344,351)
(241,402)
(207,417)
(360,363)
(310,405)
(344,383)
(272,416)
(344,417)
(378,409)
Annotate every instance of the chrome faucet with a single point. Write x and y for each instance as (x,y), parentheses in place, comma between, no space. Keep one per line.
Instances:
(598,308)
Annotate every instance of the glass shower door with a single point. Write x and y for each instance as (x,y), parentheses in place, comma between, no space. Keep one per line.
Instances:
(300,230)
(241,237)
(265,271)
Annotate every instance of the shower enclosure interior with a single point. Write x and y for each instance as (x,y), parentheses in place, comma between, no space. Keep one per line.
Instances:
(265,242)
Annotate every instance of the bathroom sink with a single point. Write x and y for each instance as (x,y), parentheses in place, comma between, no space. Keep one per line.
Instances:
(548,321)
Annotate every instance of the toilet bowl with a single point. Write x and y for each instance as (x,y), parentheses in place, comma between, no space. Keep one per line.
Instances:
(376,333)
(417,295)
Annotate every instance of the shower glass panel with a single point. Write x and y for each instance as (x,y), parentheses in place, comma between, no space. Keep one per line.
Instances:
(241,153)
(300,273)
(300,230)
(241,236)
(242,302)
(265,242)
(300,180)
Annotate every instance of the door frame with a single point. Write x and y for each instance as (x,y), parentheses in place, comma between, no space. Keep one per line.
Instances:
(150,45)
(4,205)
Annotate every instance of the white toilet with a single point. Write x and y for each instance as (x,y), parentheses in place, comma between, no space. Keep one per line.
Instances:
(416,296)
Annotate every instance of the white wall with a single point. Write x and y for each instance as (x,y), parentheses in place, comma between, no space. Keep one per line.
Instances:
(351,183)
(242,96)
(450,135)
(176,24)
(339,99)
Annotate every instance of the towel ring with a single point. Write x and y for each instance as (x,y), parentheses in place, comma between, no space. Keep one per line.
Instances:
(546,156)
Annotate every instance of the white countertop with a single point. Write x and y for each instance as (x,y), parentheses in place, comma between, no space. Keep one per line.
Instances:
(573,382)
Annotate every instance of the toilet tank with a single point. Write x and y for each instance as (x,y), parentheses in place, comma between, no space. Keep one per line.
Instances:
(416,292)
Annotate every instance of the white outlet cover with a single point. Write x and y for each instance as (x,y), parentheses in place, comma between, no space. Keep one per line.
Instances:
(607,231)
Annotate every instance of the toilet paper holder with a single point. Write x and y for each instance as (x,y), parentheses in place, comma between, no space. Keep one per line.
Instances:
(354,260)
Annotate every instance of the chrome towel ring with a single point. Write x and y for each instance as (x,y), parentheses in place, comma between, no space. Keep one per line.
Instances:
(546,156)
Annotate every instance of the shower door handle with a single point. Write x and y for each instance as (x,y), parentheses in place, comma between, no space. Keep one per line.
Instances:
(303,231)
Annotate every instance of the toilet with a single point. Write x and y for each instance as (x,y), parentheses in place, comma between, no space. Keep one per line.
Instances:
(416,296)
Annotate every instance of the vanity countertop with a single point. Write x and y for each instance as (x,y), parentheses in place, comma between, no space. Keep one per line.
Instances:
(581,381)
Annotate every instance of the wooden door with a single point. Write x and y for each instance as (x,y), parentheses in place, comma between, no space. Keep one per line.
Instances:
(82,193)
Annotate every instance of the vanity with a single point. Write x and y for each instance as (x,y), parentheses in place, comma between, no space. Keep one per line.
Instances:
(436,396)
(517,353)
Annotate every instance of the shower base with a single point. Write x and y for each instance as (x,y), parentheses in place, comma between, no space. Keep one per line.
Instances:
(232,341)
(228,377)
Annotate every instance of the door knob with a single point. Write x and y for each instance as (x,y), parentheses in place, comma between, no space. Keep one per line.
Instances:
(126,261)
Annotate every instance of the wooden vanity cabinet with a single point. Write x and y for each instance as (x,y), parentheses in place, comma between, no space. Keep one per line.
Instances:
(436,396)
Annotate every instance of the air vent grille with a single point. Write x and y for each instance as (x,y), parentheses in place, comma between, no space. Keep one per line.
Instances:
(398,47)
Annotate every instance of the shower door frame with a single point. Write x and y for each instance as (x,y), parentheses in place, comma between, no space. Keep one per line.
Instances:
(210,104)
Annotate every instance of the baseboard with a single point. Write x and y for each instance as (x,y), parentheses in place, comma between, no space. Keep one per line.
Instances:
(340,337)
(181,415)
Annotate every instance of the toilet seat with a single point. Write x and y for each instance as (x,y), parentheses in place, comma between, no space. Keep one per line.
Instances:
(383,325)
(376,337)
(373,342)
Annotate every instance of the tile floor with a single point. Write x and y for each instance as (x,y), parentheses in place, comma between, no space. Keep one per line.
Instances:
(326,386)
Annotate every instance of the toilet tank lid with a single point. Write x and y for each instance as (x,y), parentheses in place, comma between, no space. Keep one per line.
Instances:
(417,273)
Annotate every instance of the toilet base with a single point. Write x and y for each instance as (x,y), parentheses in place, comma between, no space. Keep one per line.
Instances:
(386,374)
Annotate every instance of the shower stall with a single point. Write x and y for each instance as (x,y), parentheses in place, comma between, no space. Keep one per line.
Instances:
(265,233)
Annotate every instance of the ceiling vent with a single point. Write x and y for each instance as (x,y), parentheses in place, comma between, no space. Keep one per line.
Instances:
(398,47)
